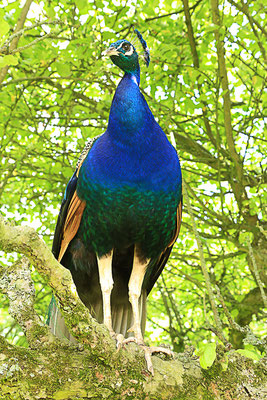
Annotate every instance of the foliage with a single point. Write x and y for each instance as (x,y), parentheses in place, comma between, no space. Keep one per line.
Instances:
(57,93)
(207,355)
(250,352)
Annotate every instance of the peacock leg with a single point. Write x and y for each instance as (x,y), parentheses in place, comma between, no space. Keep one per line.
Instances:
(106,284)
(135,288)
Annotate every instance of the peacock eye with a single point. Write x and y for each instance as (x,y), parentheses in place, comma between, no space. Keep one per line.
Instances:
(126,46)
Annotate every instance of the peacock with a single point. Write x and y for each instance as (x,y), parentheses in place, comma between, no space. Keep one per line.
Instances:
(121,211)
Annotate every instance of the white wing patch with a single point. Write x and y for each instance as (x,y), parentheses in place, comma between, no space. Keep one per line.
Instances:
(133,78)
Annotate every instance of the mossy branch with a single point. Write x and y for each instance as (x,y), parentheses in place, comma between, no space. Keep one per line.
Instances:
(67,374)
(82,326)
(16,283)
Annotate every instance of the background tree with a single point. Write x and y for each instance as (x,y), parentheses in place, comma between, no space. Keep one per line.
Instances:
(206,86)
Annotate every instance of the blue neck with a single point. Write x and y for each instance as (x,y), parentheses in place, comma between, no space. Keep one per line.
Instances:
(130,116)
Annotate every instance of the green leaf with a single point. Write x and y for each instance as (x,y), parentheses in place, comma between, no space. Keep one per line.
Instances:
(4,27)
(249,354)
(63,69)
(82,5)
(108,35)
(8,60)
(51,12)
(207,355)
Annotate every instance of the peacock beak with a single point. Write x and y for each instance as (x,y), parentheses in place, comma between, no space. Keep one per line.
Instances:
(111,51)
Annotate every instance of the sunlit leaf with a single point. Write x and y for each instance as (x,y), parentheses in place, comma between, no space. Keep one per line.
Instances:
(249,354)
(207,355)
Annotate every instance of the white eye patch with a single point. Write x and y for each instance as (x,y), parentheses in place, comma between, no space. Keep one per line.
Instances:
(130,52)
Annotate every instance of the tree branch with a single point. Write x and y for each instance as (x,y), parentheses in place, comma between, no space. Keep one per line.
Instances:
(238,187)
(256,273)
(196,64)
(67,374)
(14,42)
(77,317)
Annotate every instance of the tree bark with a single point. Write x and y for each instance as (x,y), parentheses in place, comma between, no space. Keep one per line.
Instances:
(66,372)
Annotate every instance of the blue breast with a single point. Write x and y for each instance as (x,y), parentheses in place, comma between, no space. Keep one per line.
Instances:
(134,151)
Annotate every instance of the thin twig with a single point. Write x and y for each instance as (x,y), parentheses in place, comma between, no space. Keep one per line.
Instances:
(173,13)
(244,8)
(233,324)
(28,28)
(257,275)
(19,49)
(204,267)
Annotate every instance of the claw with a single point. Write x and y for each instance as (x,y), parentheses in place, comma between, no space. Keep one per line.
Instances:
(148,351)
(148,359)
(130,339)
(159,349)
(119,341)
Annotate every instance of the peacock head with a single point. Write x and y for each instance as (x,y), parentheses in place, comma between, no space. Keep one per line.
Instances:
(124,55)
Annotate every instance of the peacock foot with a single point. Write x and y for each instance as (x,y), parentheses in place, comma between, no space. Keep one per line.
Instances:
(119,340)
(154,349)
(147,350)
(118,337)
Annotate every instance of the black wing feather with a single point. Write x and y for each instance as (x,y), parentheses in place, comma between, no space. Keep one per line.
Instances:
(162,260)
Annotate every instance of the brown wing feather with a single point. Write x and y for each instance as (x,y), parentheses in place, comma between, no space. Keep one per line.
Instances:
(75,209)
(72,223)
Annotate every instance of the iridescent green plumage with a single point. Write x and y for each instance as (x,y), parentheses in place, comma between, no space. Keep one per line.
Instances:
(130,216)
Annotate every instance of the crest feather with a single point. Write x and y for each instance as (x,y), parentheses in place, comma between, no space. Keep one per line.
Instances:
(144,45)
